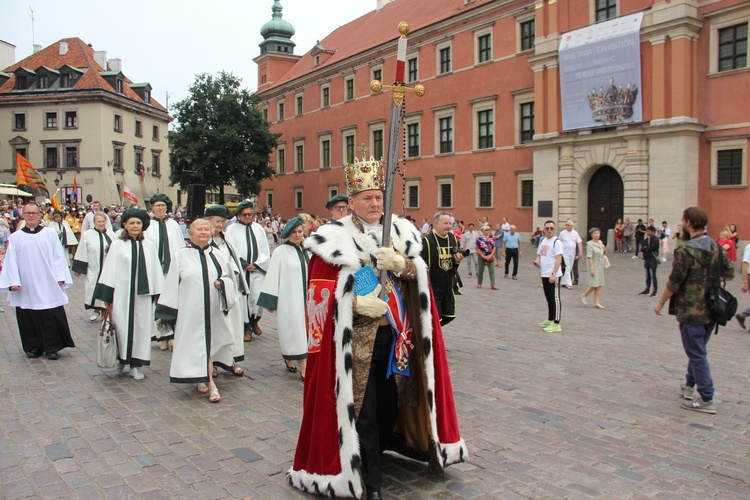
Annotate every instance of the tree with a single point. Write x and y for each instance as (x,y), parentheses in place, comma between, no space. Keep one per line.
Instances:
(221,138)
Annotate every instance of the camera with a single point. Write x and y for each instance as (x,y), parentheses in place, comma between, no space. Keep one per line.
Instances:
(465,253)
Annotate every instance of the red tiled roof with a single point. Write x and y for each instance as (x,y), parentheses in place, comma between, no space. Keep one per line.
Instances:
(79,55)
(376,28)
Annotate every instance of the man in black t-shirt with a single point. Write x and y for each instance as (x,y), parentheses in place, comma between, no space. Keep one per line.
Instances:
(640,233)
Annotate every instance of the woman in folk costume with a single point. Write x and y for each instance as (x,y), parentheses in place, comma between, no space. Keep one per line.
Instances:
(64,232)
(369,387)
(89,260)
(166,235)
(199,292)
(130,278)
(249,239)
(218,215)
(285,291)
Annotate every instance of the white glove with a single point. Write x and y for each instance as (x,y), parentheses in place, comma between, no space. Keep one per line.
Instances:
(389,260)
(370,305)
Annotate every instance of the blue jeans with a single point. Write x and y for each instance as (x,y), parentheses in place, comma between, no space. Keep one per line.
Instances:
(694,341)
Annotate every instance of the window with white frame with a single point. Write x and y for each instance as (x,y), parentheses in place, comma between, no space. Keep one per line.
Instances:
(601,10)
(118,123)
(377,141)
(325,151)
(445,192)
(51,152)
(349,141)
(412,139)
(117,157)
(525,189)
(325,96)
(298,202)
(19,121)
(483,45)
(444,57)
(349,88)
(50,119)
(280,159)
(484,123)
(484,188)
(333,190)
(412,193)
(269,197)
(444,118)
(156,162)
(524,114)
(299,156)
(412,69)
(729,163)
(526,32)
(71,119)
(71,156)
(377,73)
(728,38)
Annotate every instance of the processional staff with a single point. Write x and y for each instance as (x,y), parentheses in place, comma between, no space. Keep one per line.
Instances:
(398,90)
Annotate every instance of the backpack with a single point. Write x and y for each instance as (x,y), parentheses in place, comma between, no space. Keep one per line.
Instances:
(721,303)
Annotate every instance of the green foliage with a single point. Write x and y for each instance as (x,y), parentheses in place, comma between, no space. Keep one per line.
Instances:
(221,137)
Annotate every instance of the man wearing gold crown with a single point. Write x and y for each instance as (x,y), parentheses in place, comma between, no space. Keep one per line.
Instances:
(364,391)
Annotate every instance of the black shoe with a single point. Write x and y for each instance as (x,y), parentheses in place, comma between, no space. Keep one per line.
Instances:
(654,294)
(51,355)
(741,321)
(457,292)
(33,354)
(373,495)
(644,292)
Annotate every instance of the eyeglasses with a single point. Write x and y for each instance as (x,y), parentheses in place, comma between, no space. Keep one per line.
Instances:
(341,208)
(246,215)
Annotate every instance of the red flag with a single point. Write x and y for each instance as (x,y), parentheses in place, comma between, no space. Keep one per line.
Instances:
(127,194)
(26,175)
(142,171)
(55,203)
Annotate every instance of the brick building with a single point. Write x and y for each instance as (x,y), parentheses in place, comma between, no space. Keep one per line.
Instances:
(488,139)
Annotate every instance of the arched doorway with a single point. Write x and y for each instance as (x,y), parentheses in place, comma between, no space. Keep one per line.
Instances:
(605,199)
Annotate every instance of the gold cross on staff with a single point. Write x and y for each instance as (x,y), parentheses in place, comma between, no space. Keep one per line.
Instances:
(363,149)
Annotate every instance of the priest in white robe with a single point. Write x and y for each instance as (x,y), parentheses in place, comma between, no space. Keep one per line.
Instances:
(199,293)
(166,235)
(249,239)
(89,260)
(217,216)
(131,279)
(285,292)
(35,273)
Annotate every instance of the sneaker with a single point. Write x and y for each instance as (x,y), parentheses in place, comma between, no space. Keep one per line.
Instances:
(94,316)
(644,292)
(741,321)
(553,328)
(687,391)
(700,405)
(634,257)
(515,278)
(545,323)
(653,294)
(136,373)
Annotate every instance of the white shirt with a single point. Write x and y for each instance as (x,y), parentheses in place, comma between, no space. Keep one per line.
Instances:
(570,239)
(506,227)
(425,229)
(547,256)
(746,255)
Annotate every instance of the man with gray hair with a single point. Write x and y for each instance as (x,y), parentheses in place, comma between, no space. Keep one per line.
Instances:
(441,253)
(570,240)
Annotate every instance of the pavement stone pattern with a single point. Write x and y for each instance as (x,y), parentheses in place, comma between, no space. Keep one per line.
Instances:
(592,412)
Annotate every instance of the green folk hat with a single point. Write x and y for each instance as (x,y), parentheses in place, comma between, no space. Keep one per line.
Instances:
(289,226)
(336,199)
(218,211)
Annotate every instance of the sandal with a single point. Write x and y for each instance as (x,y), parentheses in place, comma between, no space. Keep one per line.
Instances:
(291,368)
(214,396)
(202,388)
(238,372)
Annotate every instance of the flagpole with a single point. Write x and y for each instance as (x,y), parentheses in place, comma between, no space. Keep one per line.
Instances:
(398,90)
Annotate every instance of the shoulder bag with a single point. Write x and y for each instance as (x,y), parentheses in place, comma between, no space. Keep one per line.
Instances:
(106,350)
(721,303)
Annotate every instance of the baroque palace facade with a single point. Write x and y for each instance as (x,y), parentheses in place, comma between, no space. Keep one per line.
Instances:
(74,115)
(493,134)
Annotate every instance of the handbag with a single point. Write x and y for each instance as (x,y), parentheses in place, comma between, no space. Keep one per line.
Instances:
(721,303)
(606,262)
(106,350)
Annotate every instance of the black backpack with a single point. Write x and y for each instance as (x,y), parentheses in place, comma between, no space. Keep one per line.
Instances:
(721,303)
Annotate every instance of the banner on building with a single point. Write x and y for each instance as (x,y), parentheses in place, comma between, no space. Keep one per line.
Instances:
(600,74)
(28,177)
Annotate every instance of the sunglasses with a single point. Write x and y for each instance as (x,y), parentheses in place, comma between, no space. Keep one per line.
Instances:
(549,228)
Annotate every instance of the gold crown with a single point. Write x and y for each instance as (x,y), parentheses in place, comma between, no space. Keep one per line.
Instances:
(613,104)
(364,175)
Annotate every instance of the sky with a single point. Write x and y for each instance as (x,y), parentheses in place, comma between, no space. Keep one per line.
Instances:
(167,42)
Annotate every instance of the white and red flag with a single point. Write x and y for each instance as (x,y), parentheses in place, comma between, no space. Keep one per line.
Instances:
(127,194)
